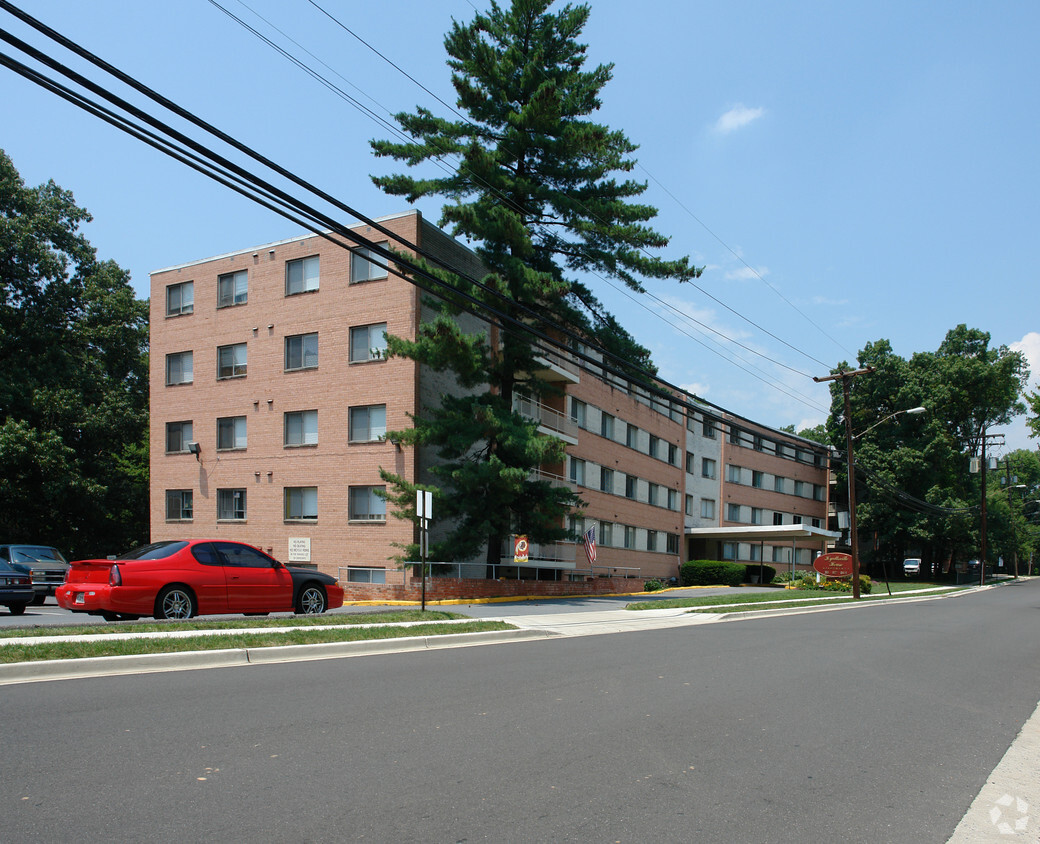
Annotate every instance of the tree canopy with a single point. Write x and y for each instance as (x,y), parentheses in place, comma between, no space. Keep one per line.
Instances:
(918,494)
(535,186)
(73,380)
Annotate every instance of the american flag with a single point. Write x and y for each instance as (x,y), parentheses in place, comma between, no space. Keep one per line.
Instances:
(590,544)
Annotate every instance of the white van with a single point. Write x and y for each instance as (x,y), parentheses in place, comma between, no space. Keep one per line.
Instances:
(912,566)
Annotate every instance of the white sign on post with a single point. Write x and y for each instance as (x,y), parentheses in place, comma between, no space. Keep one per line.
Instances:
(424,504)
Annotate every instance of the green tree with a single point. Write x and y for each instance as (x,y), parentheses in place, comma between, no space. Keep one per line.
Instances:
(917,493)
(536,191)
(73,380)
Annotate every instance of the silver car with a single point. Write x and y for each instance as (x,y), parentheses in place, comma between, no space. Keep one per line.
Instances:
(912,566)
(46,565)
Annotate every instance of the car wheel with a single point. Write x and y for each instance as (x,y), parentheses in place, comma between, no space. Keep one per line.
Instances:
(16,609)
(175,602)
(311,600)
(39,599)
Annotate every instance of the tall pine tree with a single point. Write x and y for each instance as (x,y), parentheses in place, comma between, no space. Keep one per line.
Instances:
(536,191)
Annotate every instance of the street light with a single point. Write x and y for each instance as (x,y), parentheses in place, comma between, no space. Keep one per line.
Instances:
(845,377)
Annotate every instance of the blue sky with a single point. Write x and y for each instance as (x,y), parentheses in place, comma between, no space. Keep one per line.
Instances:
(845,172)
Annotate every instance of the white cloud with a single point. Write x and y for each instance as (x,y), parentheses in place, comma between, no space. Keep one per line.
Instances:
(1030,347)
(747,274)
(737,118)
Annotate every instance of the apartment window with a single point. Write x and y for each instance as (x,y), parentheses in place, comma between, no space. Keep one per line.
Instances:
(757,479)
(734,436)
(651,494)
(357,574)
(729,550)
(708,428)
(578,412)
(363,266)
(367,424)
(756,515)
(178,368)
(815,523)
(231,504)
(651,540)
(778,518)
(178,505)
(178,435)
(655,445)
(606,479)
(577,475)
(732,473)
(366,505)
(707,467)
(781,554)
(368,342)
(231,361)
(301,427)
(606,534)
(630,486)
(630,537)
(778,484)
(818,492)
(631,436)
(691,463)
(301,502)
(797,520)
(707,508)
(231,433)
(733,512)
(180,298)
(673,499)
(671,543)
(755,553)
(689,505)
(301,351)
(301,275)
(799,489)
(232,289)
(606,426)
(673,454)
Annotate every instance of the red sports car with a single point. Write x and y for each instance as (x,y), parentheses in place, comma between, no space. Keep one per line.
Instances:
(182,579)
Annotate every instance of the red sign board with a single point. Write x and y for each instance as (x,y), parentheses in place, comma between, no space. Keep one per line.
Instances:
(520,549)
(833,565)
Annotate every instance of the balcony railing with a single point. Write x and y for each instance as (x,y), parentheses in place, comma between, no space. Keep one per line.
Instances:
(555,481)
(563,554)
(552,420)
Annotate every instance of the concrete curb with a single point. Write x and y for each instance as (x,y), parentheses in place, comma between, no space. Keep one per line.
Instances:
(108,666)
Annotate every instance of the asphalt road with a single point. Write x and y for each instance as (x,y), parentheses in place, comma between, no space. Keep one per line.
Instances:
(867,724)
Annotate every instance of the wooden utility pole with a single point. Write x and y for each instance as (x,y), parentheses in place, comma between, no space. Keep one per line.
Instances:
(853,539)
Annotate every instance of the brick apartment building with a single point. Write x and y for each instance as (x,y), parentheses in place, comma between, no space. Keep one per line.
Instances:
(271,395)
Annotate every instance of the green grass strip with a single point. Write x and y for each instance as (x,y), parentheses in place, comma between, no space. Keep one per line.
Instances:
(799,595)
(798,604)
(324,620)
(306,636)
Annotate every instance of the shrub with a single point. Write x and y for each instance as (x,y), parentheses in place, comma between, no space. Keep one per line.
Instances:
(752,571)
(711,573)
(653,585)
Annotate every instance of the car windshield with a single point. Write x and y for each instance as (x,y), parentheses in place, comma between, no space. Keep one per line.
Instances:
(36,554)
(155,551)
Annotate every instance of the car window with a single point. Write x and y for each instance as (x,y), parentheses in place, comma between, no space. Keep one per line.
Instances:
(235,554)
(36,553)
(206,554)
(155,551)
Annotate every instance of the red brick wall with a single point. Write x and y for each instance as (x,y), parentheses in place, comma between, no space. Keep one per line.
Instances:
(449,588)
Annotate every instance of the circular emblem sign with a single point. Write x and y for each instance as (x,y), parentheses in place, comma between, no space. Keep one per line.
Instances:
(833,565)
(520,550)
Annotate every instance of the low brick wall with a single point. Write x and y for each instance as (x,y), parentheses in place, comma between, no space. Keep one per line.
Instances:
(455,589)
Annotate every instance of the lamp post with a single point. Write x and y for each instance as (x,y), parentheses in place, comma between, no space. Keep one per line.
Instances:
(849,438)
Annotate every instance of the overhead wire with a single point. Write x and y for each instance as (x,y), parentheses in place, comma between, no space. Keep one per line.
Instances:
(768,381)
(669,392)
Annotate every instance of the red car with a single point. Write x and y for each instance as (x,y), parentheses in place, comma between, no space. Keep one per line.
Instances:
(181,579)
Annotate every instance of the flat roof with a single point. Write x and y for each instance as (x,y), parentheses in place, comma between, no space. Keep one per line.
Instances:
(762,533)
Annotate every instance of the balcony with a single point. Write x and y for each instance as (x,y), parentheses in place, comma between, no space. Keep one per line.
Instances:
(555,481)
(562,555)
(557,366)
(550,422)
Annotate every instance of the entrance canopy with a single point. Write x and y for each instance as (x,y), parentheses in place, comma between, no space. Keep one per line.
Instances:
(764,533)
